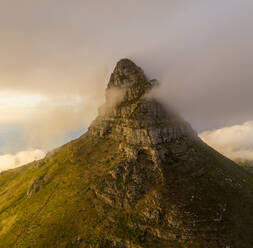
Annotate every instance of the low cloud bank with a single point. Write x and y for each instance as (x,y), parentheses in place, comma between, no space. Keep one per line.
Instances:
(235,142)
(10,161)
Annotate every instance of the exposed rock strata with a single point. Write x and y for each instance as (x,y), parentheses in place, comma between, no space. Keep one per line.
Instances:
(138,121)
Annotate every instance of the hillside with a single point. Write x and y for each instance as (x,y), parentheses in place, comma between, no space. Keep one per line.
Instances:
(139,177)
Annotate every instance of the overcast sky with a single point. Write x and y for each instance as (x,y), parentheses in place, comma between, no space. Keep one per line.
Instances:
(57,55)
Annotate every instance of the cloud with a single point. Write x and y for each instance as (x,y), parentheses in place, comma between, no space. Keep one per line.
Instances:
(10,161)
(235,142)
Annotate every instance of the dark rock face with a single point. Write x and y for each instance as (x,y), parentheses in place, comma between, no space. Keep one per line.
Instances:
(127,75)
(34,186)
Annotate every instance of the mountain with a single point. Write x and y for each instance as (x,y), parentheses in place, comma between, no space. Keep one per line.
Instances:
(139,177)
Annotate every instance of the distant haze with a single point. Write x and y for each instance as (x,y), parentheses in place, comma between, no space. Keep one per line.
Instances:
(57,56)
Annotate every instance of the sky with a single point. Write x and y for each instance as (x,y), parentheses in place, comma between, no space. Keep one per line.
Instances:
(57,56)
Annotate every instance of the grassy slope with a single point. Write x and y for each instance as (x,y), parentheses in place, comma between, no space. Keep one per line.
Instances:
(72,171)
(66,213)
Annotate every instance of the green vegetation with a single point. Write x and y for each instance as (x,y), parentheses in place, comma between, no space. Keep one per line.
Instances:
(70,209)
(66,212)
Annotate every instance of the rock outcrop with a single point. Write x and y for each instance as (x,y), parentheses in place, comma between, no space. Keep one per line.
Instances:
(135,119)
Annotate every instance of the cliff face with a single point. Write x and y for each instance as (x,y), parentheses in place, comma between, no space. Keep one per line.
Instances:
(139,177)
(136,120)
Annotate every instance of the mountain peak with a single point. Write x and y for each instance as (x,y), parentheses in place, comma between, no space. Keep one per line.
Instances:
(134,118)
(126,63)
(129,77)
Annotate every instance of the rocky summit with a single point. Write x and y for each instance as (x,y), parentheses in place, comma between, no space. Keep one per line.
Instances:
(139,177)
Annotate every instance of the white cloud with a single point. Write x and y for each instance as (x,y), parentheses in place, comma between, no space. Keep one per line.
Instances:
(235,142)
(10,161)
